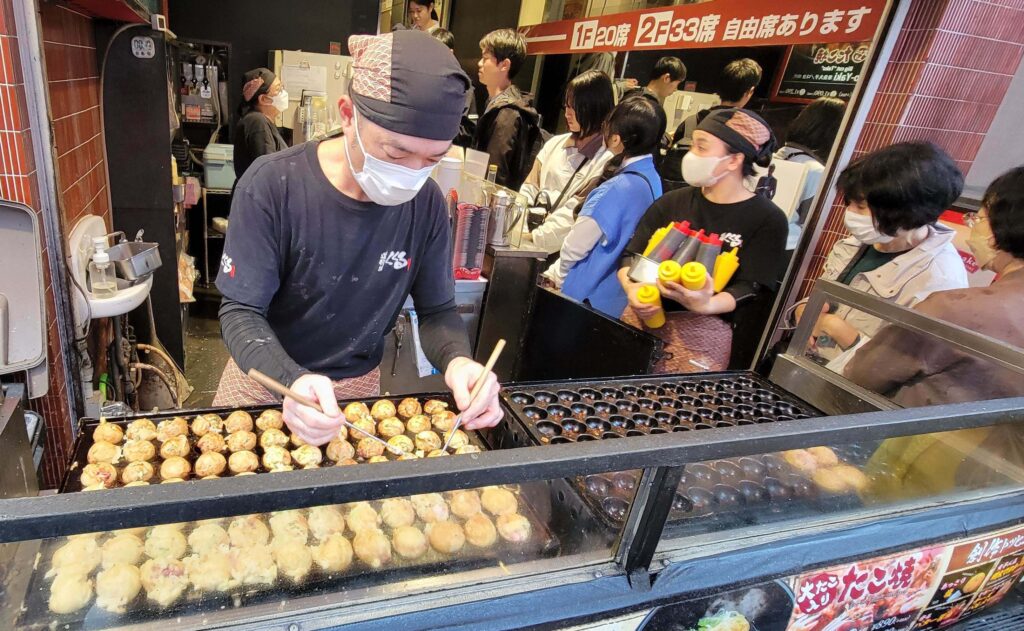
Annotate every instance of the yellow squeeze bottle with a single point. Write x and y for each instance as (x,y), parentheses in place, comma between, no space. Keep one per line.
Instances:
(649,295)
(725,266)
(656,238)
(694,276)
(669,271)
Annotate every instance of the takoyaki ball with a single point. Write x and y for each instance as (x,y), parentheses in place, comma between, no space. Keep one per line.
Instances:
(397,512)
(241,441)
(138,483)
(437,453)
(276,458)
(378,460)
(325,521)
(497,501)
(164,580)
(433,407)
(139,532)
(802,460)
(142,429)
(853,477)
(207,423)
(340,449)
(122,549)
(210,464)
(390,427)
(447,537)
(334,554)
(169,428)
(308,457)
(248,531)
(211,443)
(80,555)
(409,455)
(243,462)
(372,547)
(270,419)
(102,473)
(348,462)
(138,450)
(253,566)
(137,472)
(166,541)
(117,586)
(211,571)
(356,412)
(383,409)
(208,537)
(108,433)
(368,448)
(464,504)
(514,528)
(480,531)
(104,452)
(459,439)
(176,467)
(175,447)
(366,427)
(95,487)
(70,592)
(362,517)
(289,524)
(409,542)
(823,455)
(294,560)
(238,421)
(443,421)
(409,408)
(210,477)
(417,424)
(467,449)
(402,444)
(273,438)
(428,441)
(297,441)
(430,507)
(173,481)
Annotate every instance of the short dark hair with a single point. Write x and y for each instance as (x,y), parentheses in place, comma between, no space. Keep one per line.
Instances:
(1004,202)
(445,37)
(640,122)
(506,43)
(906,185)
(737,78)
(817,126)
(672,66)
(592,98)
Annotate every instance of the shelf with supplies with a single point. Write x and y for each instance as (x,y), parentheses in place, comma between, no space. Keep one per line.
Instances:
(213,237)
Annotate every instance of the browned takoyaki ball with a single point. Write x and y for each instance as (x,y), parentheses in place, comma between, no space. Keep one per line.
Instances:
(175,447)
(390,427)
(238,421)
(433,407)
(417,424)
(243,462)
(356,411)
(383,409)
(176,467)
(169,428)
(206,423)
(211,463)
(138,450)
(142,429)
(270,419)
(340,449)
(409,408)
(211,442)
(108,433)
(368,448)
(241,441)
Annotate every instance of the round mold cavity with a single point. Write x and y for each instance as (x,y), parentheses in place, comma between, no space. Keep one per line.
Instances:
(707,415)
(752,492)
(573,426)
(666,418)
(783,417)
(624,481)
(590,395)
(581,410)
(652,390)
(611,393)
(568,396)
(557,412)
(604,407)
(544,397)
(728,472)
(597,423)
(631,391)
(746,382)
(585,438)
(710,399)
(681,503)
(727,397)
(658,430)
(727,496)
(787,409)
(644,420)
(726,411)
(774,466)
(615,507)
(704,474)
(534,413)
(627,407)
(649,404)
(764,409)
(521,398)
(597,485)
(742,409)
(724,423)
(766,396)
(669,403)
(680,428)
(761,420)
(702,426)
(688,401)
(560,440)
(746,396)
(777,490)
(702,500)
(753,469)
(686,416)
(635,432)
(744,421)
(621,421)
(549,429)
(610,435)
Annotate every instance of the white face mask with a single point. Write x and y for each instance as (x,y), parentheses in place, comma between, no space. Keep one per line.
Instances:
(981,247)
(383,182)
(280,102)
(698,170)
(862,227)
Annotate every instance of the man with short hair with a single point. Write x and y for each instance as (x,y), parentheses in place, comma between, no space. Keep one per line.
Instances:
(329,238)
(663,80)
(509,129)
(736,86)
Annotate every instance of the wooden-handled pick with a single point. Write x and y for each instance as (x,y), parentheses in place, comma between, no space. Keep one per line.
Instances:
(276,386)
(477,387)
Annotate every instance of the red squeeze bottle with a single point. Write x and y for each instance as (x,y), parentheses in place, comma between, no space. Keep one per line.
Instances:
(709,250)
(668,246)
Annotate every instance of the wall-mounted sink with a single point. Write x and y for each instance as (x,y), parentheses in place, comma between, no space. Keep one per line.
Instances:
(128,296)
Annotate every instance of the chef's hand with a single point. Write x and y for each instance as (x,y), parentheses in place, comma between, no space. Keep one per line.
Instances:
(461,376)
(694,301)
(311,426)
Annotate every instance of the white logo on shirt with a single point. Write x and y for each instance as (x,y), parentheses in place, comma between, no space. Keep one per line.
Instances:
(732,239)
(227,265)
(395,260)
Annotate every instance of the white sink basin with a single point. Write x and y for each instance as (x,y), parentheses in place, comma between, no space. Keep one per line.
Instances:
(126,299)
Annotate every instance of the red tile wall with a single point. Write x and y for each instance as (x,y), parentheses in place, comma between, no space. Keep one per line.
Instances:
(950,69)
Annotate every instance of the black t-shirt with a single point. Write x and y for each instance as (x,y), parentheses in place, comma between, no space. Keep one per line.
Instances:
(255,136)
(758,227)
(331,273)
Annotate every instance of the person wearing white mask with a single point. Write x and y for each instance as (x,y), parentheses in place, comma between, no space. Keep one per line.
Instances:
(263,100)
(329,238)
(896,250)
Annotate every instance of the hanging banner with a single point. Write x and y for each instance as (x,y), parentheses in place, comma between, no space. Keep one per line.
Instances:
(717,23)
(813,70)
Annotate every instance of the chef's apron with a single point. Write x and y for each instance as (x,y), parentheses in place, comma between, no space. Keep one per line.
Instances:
(236,389)
(693,342)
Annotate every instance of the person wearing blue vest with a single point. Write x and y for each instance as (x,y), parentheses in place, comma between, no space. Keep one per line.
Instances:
(589,259)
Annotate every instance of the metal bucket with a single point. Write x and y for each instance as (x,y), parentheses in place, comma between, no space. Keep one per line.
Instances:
(135,260)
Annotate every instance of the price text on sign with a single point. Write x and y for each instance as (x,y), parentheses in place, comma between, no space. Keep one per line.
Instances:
(710,24)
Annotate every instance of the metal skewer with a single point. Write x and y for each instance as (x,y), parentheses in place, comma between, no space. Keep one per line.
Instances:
(276,386)
(477,387)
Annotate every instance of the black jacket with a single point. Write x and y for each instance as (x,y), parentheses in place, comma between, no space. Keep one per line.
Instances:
(509,131)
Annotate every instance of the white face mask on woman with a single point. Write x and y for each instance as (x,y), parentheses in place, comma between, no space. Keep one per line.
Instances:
(698,170)
(280,101)
(386,183)
(862,227)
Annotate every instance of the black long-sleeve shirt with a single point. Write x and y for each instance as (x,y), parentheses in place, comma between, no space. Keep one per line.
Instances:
(255,136)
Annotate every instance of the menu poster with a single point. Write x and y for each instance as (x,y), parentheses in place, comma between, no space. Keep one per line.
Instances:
(880,594)
(810,71)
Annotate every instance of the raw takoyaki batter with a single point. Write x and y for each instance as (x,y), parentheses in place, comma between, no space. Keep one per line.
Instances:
(329,238)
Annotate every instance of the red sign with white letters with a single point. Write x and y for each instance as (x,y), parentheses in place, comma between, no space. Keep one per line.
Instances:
(717,23)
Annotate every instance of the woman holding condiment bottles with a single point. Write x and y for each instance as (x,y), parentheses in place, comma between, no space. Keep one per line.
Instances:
(705,330)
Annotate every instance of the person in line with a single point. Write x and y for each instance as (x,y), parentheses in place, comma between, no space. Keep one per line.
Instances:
(509,128)
(664,79)
(736,87)
(809,142)
(263,100)
(568,164)
(704,330)
(333,236)
(423,16)
(896,250)
(915,371)
(465,136)
(590,255)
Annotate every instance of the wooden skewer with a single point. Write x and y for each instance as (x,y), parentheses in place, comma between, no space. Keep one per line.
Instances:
(477,387)
(276,386)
